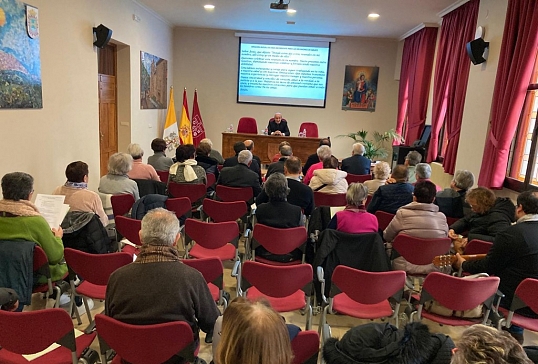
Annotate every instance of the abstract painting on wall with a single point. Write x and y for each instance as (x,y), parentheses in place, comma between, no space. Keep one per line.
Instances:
(20,61)
(153,81)
(360,88)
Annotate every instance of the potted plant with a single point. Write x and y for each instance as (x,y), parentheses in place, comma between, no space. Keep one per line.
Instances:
(375,149)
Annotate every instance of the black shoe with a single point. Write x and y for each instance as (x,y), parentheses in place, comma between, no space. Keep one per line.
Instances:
(209,337)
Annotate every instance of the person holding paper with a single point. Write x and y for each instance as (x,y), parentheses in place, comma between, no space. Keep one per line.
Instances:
(21,220)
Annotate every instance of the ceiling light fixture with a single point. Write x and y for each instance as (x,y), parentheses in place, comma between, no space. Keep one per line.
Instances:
(373,16)
(209,7)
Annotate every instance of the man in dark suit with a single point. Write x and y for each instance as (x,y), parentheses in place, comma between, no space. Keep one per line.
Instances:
(240,175)
(278,126)
(285,152)
(313,158)
(300,194)
(357,163)
(232,161)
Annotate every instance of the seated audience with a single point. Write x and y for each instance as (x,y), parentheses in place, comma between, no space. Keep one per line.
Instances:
(116,182)
(186,169)
(249,144)
(423,172)
(513,255)
(278,213)
(384,343)
(391,197)
(20,220)
(240,175)
(253,333)
(300,194)
(483,344)
(215,154)
(233,161)
(285,152)
(489,216)
(357,163)
(421,219)
(354,219)
(159,160)
(204,160)
(381,174)
(9,300)
(329,179)
(76,192)
(140,170)
(411,160)
(313,158)
(277,156)
(278,126)
(157,287)
(451,201)
(323,153)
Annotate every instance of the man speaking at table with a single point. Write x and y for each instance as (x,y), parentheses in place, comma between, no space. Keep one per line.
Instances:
(278,126)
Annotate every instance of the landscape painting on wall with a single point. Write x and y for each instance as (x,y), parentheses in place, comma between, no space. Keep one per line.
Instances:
(153,81)
(20,61)
(360,88)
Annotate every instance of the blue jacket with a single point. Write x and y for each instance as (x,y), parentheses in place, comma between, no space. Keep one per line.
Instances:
(391,197)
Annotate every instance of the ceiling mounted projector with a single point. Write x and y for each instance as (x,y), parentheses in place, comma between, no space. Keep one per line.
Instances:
(279,6)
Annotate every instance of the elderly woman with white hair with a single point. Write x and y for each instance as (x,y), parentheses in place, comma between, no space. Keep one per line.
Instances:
(117,182)
(140,170)
(381,174)
(423,172)
(451,201)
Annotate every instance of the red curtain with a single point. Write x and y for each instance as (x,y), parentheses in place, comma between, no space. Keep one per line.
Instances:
(516,62)
(415,76)
(450,84)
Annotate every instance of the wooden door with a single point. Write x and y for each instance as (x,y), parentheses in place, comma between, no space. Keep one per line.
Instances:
(108,117)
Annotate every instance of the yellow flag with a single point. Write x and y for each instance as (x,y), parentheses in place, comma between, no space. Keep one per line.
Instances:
(171,132)
(185,129)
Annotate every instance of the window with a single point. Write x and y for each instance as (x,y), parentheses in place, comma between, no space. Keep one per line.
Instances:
(523,168)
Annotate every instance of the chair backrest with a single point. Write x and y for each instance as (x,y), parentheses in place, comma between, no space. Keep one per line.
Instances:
(121,204)
(229,194)
(311,129)
(95,268)
(211,235)
(163,175)
(220,211)
(383,219)
(211,179)
(305,346)
(247,125)
(33,331)
(368,200)
(476,246)
(420,251)
(211,269)
(278,240)
(357,178)
(180,206)
(329,199)
(367,287)
(193,191)
(283,282)
(526,292)
(451,220)
(129,228)
(41,262)
(145,344)
(456,293)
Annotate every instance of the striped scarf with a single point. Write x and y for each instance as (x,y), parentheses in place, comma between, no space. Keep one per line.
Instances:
(157,253)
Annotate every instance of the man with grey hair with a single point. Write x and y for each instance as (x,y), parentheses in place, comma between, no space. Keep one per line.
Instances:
(357,163)
(157,287)
(116,182)
(278,126)
(323,152)
(240,175)
(411,160)
(285,152)
(423,172)
(451,201)
(215,154)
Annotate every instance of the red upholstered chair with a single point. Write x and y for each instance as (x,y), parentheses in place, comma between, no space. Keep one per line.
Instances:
(219,211)
(456,294)
(144,344)
(383,219)
(277,241)
(368,200)
(360,178)
(305,347)
(420,251)
(329,199)
(129,229)
(229,194)
(94,269)
(476,246)
(41,267)
(361,294)
(180,206)
(163,175)
(311,129)
(211,180)
(247,125)
(194,191)
(24,333)
(451,220)
(213,239)
(213,272)
(121,204)
(288,289)
(525,296)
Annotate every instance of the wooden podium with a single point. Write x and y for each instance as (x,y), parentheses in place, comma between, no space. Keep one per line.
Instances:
(266,146)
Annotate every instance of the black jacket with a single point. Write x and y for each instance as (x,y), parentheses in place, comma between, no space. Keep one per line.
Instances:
(282,127)
(312,159)
(209,164)
(85,232)
(487,226)
(300,195)
(254,166)
(452,203)
(276,167)
(239,176)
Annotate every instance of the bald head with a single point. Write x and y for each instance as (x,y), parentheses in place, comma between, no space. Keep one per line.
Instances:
(249,144)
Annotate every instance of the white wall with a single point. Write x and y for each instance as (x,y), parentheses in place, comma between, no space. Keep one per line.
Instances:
(42,142)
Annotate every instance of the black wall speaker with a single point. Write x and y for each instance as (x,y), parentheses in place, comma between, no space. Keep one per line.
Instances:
(475,50)
(102,36)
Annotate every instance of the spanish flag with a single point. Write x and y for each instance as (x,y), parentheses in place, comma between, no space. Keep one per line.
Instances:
(185,130)
(171,132)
